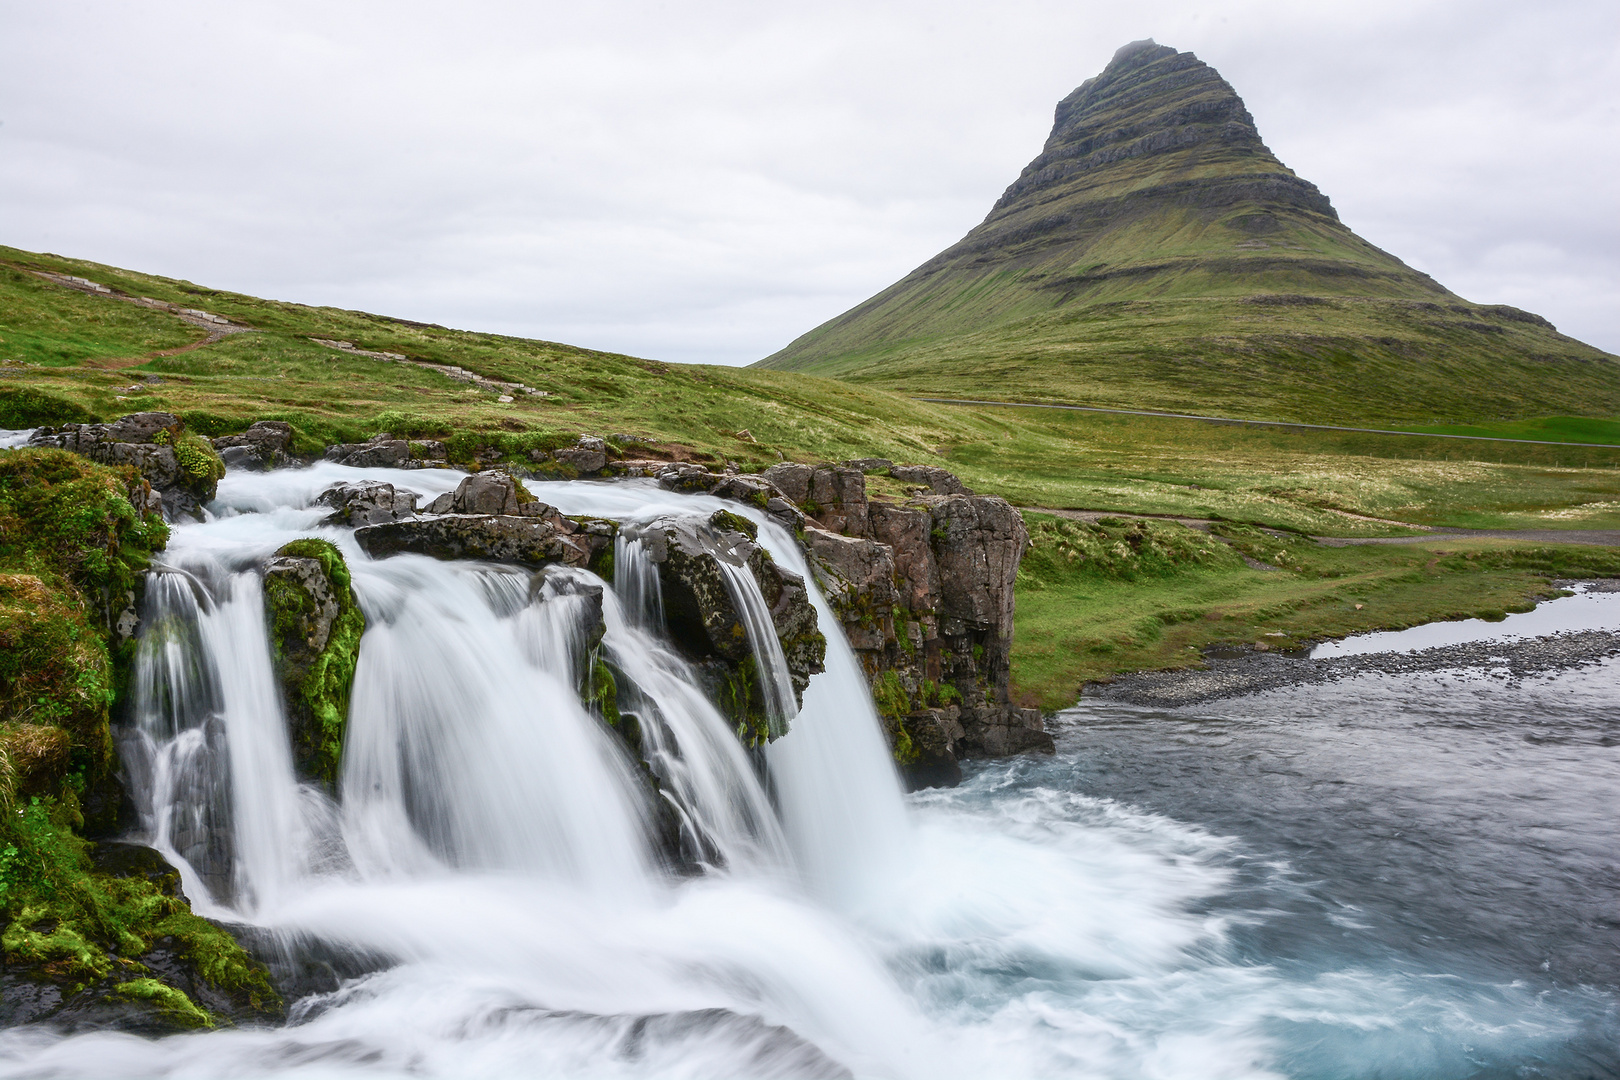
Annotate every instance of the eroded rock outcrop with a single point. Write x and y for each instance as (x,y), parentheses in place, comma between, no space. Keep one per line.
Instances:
(315,626)
(182,470)
(704,618)
(369,502)
(924,589)
(491,515)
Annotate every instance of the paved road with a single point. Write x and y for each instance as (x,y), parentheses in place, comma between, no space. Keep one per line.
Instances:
(1251,423)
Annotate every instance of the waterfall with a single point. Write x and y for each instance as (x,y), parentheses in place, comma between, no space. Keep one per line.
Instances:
(776,685)
(476,781)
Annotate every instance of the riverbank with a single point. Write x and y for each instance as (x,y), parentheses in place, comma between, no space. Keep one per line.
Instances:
(1241,671)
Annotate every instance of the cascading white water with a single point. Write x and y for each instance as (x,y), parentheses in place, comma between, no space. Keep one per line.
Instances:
(776,685)
(494,846)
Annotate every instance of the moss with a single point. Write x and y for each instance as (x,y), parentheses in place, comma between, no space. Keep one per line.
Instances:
(743,701)
(202,465)
(601,563)
(726,520)
(173,1004)
(905,751)
(54,667)
(889,695)
(318,684)
(72,552)
(74,926)
(62,514)
(601,690)
(24,407)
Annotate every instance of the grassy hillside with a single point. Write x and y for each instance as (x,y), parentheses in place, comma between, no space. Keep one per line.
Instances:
(69,355)
(1157,255)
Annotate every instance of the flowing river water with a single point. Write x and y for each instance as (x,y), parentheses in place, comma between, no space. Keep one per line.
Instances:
(1406,876)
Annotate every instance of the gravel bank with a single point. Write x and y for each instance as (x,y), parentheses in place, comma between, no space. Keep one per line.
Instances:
(1252,672)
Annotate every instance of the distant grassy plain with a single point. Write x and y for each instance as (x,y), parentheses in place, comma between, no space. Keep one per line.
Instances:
(98,355)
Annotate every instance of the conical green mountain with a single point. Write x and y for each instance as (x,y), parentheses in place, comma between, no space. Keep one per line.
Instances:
(1157,255)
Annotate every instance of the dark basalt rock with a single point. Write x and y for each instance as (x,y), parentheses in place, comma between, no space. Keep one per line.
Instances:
(182,471)
(267,444)
(368,502)
(531,540)
(315,627)
(381,451)
(698,607)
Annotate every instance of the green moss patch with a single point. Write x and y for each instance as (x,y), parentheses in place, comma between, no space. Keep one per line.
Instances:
(77,928)
(317,676)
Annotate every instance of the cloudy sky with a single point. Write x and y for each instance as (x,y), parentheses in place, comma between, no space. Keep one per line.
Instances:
(705,181)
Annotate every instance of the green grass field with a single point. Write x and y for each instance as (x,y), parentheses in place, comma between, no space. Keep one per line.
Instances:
(1118,596)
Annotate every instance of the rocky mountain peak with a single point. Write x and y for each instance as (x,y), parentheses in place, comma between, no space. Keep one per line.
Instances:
(1150,102)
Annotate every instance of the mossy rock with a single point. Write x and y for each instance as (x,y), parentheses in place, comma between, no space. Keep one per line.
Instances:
(315,629)
(115,946)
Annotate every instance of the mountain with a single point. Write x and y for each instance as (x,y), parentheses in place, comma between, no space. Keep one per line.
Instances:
(1157,254)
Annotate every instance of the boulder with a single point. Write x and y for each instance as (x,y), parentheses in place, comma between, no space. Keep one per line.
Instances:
(489,492)
(925,747)
(532,541)
(430,451)
(266,444)
(183,470)
(996,730)
(315,627)
(791,479)
(367,503)
(937,480)
(381,451)
(760,492)
(588,457)
(685,476)
(870,464)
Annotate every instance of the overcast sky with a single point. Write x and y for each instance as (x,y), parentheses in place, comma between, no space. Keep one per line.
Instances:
(706,181)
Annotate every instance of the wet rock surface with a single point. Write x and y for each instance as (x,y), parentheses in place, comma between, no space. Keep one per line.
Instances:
(532,540)
(267,444)
(315,625)
(381,451)
(1253,672)
(924,590)
(699,609)
(368,502)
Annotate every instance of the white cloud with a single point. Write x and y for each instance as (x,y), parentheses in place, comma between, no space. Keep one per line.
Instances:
(706,181)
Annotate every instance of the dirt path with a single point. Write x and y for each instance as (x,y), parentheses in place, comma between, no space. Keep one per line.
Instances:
(215,327)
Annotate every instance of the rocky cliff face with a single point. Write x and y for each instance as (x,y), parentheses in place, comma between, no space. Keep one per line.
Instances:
(924,589)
